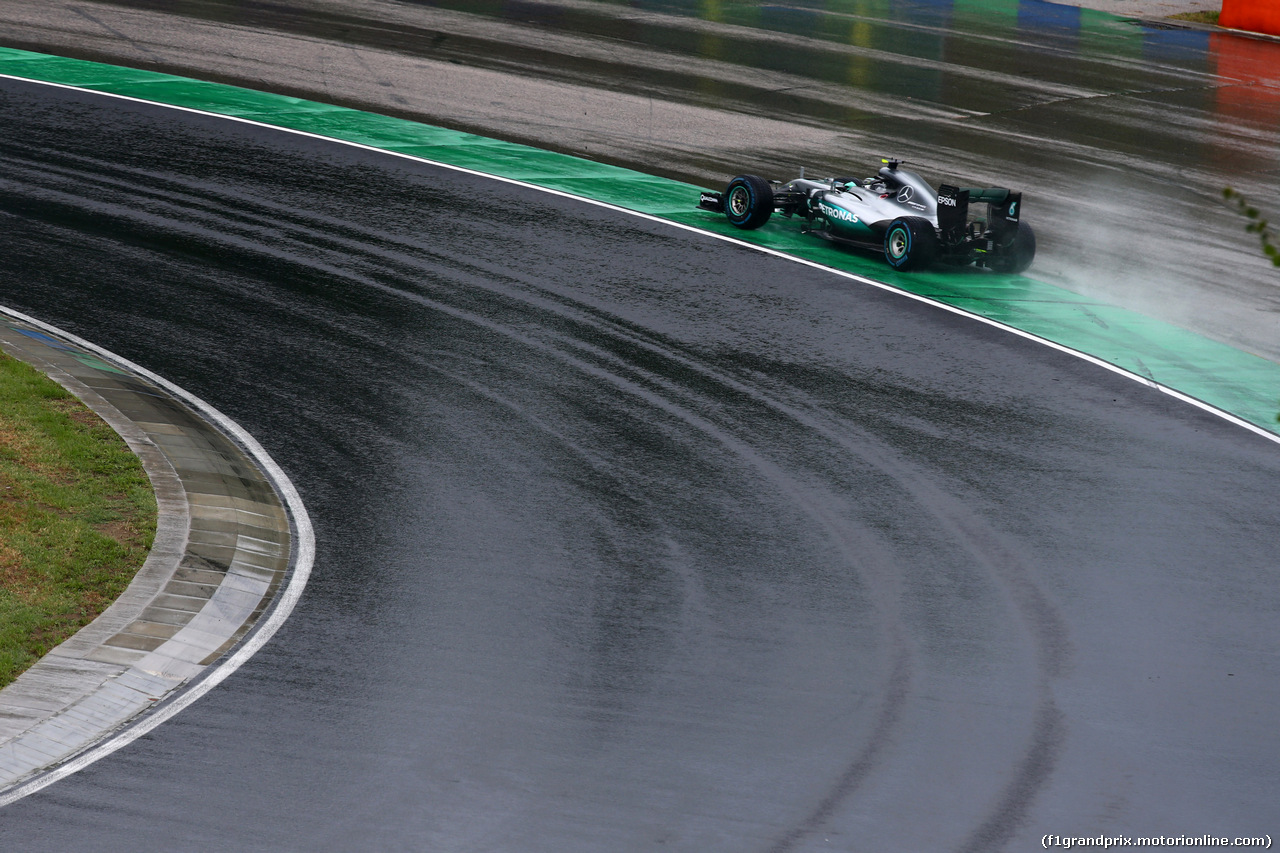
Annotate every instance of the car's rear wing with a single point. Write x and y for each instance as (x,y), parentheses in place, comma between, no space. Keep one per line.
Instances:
(1004,208)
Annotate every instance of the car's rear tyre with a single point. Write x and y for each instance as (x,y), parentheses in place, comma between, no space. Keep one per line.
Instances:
(748,201)
(1018,254)
(910,243)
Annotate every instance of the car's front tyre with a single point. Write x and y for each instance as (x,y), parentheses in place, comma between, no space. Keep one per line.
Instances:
(910,243)
(748,201)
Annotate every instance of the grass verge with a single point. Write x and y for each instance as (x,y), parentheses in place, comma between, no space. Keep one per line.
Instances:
(1197,17)
(77,516)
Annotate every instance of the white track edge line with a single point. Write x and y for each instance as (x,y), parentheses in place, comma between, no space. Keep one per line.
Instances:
(1092,359)
(303,559)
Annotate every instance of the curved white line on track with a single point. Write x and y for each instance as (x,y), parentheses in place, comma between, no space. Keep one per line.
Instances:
(303,549)
(1186,398)
(1128,374)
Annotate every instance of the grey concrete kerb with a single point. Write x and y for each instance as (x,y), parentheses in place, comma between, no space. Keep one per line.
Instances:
(233,549)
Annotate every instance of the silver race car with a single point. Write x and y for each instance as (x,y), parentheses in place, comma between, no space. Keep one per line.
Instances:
(896,212)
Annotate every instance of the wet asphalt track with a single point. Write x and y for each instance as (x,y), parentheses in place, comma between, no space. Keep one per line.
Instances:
(635,539)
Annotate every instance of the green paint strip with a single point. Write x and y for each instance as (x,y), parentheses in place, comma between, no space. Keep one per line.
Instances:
(1203,371)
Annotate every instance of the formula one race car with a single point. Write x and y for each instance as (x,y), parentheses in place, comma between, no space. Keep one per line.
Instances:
(896,212)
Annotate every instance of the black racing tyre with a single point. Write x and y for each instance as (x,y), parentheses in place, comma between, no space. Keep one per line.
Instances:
(1018,254)
(748,201)
(910,243)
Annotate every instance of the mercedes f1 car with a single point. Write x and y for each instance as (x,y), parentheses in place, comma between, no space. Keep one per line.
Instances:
(896,212)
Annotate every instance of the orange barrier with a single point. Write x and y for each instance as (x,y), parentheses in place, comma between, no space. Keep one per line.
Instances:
(1258,16)
(1246,104)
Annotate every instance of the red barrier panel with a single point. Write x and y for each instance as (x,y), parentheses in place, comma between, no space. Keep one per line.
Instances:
(1258,16)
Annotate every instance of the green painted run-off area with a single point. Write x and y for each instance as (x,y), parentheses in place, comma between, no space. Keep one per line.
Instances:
(1221,376)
